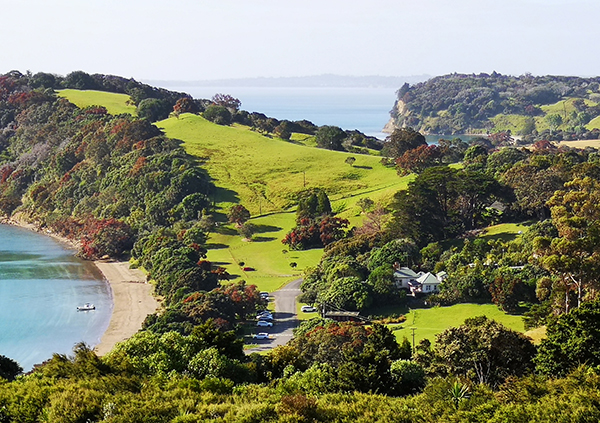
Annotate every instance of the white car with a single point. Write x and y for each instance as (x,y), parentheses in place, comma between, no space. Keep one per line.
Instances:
(261,335)
(308,309)
(264,323)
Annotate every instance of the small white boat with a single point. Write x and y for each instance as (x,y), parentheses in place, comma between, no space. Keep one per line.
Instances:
(86,307)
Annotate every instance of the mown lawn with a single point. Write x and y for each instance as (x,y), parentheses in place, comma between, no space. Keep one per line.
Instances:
(269,258)
(115,103)
(430,321)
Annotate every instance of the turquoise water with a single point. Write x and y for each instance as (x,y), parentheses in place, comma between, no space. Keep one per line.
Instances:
(41,285)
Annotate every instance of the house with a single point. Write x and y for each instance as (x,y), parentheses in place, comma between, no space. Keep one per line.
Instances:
(404,275)
(425,283)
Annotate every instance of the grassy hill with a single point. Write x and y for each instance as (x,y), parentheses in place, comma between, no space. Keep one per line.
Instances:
(115,103)
(264,174)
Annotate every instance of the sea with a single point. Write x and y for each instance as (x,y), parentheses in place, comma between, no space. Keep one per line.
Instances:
(41,285)
(366,109)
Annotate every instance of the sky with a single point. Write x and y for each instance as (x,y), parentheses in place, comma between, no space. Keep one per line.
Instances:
(200,40)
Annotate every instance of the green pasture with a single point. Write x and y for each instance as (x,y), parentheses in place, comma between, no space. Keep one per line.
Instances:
(594,123)
(428,322)
(269,258)
(264,173)
(513,123)
(115,103)
(505,231)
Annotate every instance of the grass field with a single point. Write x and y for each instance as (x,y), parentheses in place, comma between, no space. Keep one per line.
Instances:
(505,231)
(115,103)
(264,174)
(431,321)
(265,254)
(514,123)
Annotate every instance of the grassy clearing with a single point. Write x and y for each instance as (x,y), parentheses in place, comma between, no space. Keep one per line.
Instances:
(269,258)
(264,173)
(505,231)
(429,322)
(115,103)
(513,123)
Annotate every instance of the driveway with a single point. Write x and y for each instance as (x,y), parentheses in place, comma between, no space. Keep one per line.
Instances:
(285,317)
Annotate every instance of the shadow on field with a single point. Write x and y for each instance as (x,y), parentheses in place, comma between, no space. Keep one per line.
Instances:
(224,195)
(215,246)
(263,238)
(261,229)
(362,167)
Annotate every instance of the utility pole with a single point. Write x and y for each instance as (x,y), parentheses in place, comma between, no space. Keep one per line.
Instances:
(413,337)
(304,176)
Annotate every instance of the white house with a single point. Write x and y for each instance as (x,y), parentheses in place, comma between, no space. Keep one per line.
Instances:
(404,275)
(425,283)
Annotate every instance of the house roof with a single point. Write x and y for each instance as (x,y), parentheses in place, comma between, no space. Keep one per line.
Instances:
(404,272)
(428,279)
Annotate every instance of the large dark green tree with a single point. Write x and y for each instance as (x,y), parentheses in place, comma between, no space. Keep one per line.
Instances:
(571,340)
(481,350)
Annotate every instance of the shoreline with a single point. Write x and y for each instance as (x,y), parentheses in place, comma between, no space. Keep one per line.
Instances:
(132,297)
(133,300)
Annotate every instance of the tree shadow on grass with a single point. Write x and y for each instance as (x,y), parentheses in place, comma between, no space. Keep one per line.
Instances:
(362,167)
(224,230)
(263,238)
(261,229)
(221,263)
(215,246)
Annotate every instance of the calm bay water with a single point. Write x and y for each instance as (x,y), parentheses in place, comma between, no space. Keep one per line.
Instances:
(41,285)
(365,109)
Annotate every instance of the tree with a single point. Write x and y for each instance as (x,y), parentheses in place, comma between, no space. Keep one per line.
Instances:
(571,340)
(153,109)
(402,140)
(185,105)
(238,214)
(481,350)
(574,256)
(330,137)
(225,100)
(554,121)
(9,369)
(217,114)
(350,160)
(418,159)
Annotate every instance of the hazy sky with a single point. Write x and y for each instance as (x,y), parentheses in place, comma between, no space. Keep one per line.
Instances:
(195,39)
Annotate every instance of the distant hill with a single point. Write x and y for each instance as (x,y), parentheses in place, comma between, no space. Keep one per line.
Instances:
(326,80)
(550,107)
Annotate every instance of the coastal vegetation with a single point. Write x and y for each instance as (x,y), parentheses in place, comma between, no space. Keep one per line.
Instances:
(531,107)
(511,228)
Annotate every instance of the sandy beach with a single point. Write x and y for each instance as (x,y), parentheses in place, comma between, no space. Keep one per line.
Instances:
(132,302)
(132,296)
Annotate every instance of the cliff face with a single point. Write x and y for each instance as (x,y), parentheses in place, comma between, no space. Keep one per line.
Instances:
(398,114)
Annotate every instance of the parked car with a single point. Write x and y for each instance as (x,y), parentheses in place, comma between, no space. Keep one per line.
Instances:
(308,309)
(261,335)
(264,295)
(264,323)
(265,318)
(264,313)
